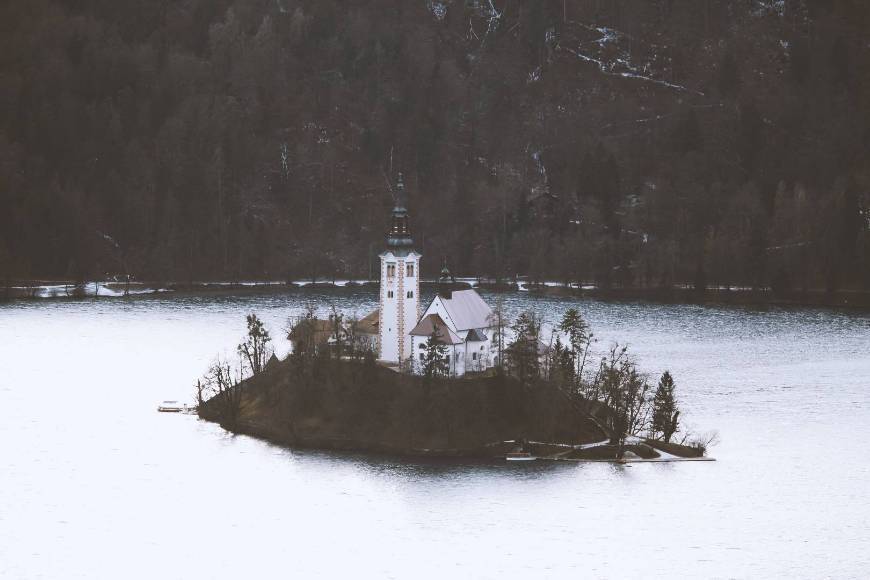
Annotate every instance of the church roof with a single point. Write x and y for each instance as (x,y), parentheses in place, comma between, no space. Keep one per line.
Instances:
(475,335)
(369,323)
(432,322)
(467,310)
(321,330)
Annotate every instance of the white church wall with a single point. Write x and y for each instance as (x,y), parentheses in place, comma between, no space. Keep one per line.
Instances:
(409,300)
(437,307)
(400,305)
(389,322)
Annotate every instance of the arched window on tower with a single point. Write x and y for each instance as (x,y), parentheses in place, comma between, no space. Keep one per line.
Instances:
(410,270)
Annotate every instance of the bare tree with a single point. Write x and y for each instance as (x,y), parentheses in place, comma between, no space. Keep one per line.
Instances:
(336,320)
(353,340)
(255,350)
(222,382)
(199,389)
(625,392)
(496,319)
(701,441)
(548,361)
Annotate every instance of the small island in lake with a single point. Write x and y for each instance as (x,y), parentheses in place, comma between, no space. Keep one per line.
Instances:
(323,402)
(455,379)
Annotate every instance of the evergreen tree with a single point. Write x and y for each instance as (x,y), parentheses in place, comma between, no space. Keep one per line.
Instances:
(578,333)
(522,353)
(665,417)
(435,358)
(561,364)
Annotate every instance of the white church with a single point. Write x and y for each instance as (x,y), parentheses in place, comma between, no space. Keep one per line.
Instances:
(461,319)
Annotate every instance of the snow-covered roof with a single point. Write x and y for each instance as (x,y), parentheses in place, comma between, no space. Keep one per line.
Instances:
(467,310)
(430,323)
(475,336)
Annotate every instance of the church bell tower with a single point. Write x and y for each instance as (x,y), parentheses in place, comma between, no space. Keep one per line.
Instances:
(400,286)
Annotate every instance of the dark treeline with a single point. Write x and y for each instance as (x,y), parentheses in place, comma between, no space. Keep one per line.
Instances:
(643,143)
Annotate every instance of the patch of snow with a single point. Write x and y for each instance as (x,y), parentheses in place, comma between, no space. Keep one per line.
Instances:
(765,7)
(284,159)
(657,81)
(109,239)
(550,35)
(438,10)
(618,61)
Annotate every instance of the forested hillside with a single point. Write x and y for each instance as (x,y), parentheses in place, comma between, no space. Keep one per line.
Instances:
(642,143)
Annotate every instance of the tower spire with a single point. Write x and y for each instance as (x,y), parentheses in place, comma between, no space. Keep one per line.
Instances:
(399,235)
(400,192)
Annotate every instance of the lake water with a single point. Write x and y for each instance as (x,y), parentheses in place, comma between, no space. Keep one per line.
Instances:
(94,483)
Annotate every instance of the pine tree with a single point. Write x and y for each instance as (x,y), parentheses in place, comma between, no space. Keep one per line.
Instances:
(435,359)
(578,333)
(561,363)
(665,419)
(522,353)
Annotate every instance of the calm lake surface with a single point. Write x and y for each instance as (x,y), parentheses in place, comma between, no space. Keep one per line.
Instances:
(94,483)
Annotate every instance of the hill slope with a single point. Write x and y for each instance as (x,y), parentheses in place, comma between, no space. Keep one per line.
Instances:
(617,142)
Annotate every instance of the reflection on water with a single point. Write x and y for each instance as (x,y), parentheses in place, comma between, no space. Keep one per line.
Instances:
(95,484)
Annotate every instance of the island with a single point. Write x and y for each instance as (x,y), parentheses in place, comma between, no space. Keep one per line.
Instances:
(456,378)
(360,405)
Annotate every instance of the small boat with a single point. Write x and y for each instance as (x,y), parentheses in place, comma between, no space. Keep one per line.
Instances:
(171,407)
(520,456)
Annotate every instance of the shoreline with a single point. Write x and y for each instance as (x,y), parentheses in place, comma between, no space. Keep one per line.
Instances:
(722,296)
(453,455)
(262,433)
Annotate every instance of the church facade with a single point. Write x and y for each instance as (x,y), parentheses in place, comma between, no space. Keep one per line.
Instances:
(463,322)
(460,320)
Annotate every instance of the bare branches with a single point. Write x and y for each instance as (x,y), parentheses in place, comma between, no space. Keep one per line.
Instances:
(625,392)
(496,319)
(701,441)
(221,382)
(221,385)
(255,349)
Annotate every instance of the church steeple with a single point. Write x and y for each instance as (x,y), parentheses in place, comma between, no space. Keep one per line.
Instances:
(400,286)
(399,235)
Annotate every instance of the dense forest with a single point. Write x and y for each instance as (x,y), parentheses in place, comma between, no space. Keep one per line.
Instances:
(615,142)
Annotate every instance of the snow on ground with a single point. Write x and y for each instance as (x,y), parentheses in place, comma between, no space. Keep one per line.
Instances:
(620,63)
